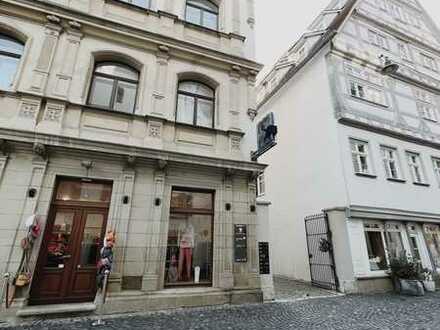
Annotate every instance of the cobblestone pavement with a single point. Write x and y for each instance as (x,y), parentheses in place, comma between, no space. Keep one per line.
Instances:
(387,311)
(286,289)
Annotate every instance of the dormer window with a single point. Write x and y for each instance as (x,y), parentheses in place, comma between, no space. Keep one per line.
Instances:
(203,13)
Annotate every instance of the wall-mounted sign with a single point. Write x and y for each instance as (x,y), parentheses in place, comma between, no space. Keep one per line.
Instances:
(240,243)
(263,251)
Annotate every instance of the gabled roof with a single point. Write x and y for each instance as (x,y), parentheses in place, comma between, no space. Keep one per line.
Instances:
(328,36)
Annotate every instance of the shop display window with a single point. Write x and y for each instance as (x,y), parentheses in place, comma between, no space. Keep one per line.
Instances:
(376,247)
(432,233)
(393,238)
(189,250)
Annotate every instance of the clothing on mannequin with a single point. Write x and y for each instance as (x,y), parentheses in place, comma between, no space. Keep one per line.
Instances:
(186,244)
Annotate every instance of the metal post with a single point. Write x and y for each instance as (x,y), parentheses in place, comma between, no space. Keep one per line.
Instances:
(6,289)
(99,321)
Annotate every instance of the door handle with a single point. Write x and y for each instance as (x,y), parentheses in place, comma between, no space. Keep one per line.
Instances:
(78,266)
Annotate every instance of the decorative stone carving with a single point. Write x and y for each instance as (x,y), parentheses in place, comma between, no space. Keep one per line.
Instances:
(161,164)
(131,161)
(155,130)
(40,149)
(5,147)
(53,19)
(75,25)
(252,113)
(235,143)
(53,113)
(29,109)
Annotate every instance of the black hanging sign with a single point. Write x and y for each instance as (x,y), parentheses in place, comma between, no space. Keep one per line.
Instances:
(263,251)
(240,243)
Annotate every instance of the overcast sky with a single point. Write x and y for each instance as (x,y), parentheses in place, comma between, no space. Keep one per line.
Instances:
(281,22)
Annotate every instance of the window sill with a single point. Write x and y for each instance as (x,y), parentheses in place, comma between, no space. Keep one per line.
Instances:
(369,102)
(110,111)
(396,180)
(421,184)
(430,120)
(366,175)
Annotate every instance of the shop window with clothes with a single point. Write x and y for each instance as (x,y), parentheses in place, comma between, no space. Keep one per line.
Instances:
(432,237)
(11,51)
(190,238)
(374,236)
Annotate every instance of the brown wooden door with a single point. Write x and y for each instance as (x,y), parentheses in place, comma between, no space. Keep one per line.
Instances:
(66,270)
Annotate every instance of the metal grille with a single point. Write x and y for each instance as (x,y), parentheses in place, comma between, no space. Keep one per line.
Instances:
(320,248)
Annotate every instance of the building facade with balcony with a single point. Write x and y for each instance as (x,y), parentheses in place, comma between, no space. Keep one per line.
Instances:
(128,116)
(357,115)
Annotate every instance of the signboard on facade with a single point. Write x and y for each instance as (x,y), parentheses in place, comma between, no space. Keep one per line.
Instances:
(240,243)
(263,251)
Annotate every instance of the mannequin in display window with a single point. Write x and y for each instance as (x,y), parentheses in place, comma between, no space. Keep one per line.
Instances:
(185,240)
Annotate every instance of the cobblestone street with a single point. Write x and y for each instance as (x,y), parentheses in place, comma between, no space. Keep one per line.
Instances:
(387,311)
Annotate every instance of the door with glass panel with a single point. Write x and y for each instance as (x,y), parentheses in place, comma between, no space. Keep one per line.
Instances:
(66,270)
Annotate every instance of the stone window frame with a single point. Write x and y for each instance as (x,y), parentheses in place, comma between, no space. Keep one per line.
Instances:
(196,96)
(203,10)
(115,82)
(15,55)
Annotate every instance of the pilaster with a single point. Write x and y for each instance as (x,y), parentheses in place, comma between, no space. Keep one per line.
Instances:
(160,82)
(234,98)
(48,48)
(121,225)
(254,277)
(70,46)
(226,279)
(4,156)
(157,238)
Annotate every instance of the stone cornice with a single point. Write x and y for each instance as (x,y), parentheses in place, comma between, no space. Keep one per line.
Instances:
(103,24)
(72,143)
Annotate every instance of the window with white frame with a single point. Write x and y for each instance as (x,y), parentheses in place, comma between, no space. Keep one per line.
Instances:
(375,239)
(378,39)
(367,92)
(428,62)
(391,162)
(393,240)
(261,185)
(427,111)
(436,166)
(404,51)
(415,167)
(360,157)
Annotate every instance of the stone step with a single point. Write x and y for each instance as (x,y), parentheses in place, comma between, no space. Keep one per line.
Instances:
(30,311)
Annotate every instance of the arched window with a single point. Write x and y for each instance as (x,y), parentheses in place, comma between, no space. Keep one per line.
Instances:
(114,87)
(11,51)
(195,104)
(202,12)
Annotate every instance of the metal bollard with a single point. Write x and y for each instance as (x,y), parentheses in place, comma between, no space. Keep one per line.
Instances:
(99,321)
(6,277)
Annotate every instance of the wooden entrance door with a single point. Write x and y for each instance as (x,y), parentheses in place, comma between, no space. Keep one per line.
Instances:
(66,270)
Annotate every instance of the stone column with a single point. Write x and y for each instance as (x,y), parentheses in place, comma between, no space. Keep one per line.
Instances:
(160,82)
(121,224)
(156,223)
(70,47)
(234,98)
(254,273)
(226,277)
(47,54)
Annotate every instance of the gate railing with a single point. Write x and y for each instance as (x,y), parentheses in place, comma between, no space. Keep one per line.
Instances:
(320,250)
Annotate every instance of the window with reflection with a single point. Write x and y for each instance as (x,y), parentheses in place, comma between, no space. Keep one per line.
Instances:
(114,87)
(190,238)
(203,13)
(82,191)
(139,3)
(195,104)
(11,51)
(432,235)
(374,237)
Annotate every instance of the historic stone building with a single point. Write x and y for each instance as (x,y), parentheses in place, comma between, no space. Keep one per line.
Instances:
(356,102)
(128,115)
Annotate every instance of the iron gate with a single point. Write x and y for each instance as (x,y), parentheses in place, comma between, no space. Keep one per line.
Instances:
(320,248)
